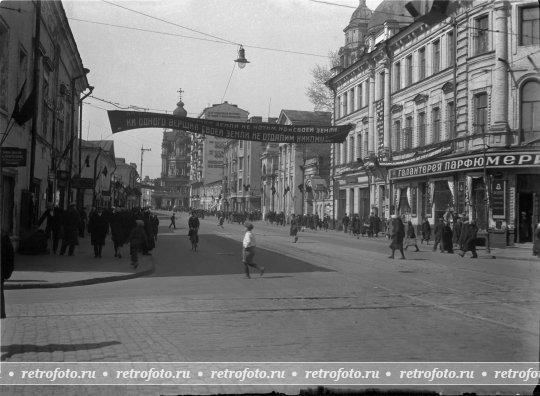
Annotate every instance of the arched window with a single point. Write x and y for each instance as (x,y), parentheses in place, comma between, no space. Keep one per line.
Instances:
(530,111)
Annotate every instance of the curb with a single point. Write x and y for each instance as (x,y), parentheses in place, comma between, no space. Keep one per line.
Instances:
(82,282)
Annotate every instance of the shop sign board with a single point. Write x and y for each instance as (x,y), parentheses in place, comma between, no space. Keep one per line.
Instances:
(498,199)
(13,157)
(468,163)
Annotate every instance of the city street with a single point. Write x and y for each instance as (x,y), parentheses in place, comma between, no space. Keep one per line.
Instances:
(329,297)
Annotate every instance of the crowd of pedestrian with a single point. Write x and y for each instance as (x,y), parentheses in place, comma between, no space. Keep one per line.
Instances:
(136,227)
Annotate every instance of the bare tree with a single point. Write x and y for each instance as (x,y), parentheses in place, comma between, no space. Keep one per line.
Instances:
(318,93)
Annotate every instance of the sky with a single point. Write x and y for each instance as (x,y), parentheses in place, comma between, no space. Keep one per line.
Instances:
(156,48)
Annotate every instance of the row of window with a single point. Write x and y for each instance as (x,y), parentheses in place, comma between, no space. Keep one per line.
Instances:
(414,67)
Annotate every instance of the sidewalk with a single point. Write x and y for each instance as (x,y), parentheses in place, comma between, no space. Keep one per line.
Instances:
(49,270)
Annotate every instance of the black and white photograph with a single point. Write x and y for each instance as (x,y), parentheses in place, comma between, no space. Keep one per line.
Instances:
(270,197)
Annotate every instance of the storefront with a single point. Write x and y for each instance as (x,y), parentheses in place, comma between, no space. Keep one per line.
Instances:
(500,191)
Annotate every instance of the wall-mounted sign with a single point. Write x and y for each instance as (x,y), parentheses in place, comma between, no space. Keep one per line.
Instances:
(467,163)
(13,157)
(498,199)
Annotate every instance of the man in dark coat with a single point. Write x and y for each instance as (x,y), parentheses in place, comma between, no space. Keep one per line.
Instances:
(426,231)
(8,264)
(71,223)
(345,222)
(98,227)
(439,229)
(397,235)
(53,227)
(468,235)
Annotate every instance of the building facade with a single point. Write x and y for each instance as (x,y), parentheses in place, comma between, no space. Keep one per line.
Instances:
(446,112)
(210,163)
(97,174)
(294,160)
(41,80)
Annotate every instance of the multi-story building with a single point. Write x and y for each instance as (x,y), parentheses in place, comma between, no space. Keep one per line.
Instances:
(269,169)
(41,80)
(97,173)
(446,110)
(208,157)
(290,180)
(124,181)
(174,188)
(242,174)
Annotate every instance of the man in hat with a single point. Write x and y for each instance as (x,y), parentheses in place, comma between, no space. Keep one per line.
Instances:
(71,222)
(439,229)
(468,234)
(248,251)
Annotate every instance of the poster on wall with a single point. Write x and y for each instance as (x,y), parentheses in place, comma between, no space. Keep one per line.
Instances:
(498,199)
(414,200)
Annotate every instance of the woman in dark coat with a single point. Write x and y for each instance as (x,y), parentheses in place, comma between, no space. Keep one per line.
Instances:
(397,235)
(98,226)
(426,232)
(447,238)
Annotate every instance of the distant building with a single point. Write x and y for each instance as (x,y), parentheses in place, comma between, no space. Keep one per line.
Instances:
(174,188)
(292,176)
(98,170)
(124,185)
(208,159)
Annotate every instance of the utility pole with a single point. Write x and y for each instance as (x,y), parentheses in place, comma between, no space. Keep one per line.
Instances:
(141,176)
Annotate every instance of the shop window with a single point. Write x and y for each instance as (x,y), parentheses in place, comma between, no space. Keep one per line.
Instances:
(530,111)
(529,32)
(478,201)
(442,198)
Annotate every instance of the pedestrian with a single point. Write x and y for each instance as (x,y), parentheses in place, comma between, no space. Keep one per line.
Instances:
(221,219)
(411,237)
(345,222)
(397,236)
(53,227)
(356,225)
(98,227)
(447,244)
(118,231)
(426,231)
(468,234)
(293,231)
(439,228)
(536,243)
(456,230)
(248,251)
(173,221)
(137,241)
(155,225)
(8,265)
(71,222)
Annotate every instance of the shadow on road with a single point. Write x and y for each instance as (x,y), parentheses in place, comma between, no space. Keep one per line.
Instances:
(17,349)
(217,255)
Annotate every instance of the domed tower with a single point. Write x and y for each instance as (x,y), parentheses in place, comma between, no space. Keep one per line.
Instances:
(180,111)
(355,34)
(390,14)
